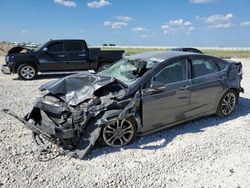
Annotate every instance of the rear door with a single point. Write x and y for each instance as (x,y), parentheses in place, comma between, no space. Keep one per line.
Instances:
(54,58)
(77,55)
(171,104)
(207,84)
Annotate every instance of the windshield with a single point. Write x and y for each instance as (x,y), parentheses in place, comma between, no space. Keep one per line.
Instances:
(40,47)
(128,71)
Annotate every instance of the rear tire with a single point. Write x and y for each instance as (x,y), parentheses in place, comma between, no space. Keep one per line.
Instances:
(103,66)
(27,72)
(227,103)
(119,133)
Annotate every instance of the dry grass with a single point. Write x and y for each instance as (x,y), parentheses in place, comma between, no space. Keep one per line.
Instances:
(4,47)
(215,52)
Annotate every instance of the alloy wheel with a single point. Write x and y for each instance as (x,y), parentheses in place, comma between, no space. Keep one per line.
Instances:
(118,133)
(228,104)
(28,72)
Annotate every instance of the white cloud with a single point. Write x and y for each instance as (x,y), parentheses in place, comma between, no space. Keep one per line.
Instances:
(98,4)
(180,22)
(218,21)
(177,26)
(144,36)
(82,30)
(67,3)
(148,35)
(121,21)
(199,18)
(245,24)
(190,29)
(219,26)
(115,25)
(24,31)
(124,18)
(139,29)
(200,1)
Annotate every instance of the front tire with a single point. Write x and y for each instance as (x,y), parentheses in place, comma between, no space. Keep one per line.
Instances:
(227,104)
(118,133)
(27,71)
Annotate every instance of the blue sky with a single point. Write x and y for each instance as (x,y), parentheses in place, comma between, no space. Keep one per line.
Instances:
(201,23)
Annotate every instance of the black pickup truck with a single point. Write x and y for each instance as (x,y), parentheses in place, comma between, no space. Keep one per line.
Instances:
(58,56)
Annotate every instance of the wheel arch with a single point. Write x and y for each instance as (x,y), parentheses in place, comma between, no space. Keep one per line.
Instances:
(113,115)
(104,59)
(236,90)
(22,63)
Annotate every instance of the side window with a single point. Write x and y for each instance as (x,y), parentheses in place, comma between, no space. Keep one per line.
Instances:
(174,72)
(220,64)
(202,67)
(55,47)
(74,46)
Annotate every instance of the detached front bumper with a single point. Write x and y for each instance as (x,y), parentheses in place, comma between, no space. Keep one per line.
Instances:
(29,125)
(68,139)
(5,69)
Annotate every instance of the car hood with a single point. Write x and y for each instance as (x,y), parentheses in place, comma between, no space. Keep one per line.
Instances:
(77,88)
(18,49)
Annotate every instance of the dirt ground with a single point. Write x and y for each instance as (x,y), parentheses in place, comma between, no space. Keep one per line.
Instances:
(209,152)
(2,60)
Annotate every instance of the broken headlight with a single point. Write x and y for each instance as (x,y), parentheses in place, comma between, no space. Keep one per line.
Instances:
(44,92)
(7,58)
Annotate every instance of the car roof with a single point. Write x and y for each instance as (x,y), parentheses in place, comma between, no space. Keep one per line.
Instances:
(184,48)
(187,48)
(159,55)
(62,40)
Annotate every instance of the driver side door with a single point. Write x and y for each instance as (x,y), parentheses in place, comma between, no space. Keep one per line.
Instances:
(169,104)
(54,58)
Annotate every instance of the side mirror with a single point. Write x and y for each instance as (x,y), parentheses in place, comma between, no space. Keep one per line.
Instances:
(45,50)
(155,87)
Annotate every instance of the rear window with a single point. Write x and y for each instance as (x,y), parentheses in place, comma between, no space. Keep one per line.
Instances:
(221,64)
(74,46)
(202,67)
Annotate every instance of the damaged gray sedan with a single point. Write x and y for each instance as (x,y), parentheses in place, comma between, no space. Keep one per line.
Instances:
(138,95)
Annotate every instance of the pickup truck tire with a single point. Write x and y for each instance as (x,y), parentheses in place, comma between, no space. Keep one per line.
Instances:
(103,66)
(27,71)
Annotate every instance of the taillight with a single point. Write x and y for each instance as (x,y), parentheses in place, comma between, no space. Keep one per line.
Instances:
(240,70)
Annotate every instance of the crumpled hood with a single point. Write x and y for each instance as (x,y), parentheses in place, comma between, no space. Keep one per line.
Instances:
(18,49)
(76,88)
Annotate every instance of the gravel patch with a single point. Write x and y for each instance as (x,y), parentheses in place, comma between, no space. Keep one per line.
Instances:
(209,152)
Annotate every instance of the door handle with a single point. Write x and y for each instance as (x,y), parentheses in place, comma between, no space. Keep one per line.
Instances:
(185,87)
(61,56)
(82,55)
(222,78)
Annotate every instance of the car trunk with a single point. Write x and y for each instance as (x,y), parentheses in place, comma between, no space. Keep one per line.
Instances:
(238,67)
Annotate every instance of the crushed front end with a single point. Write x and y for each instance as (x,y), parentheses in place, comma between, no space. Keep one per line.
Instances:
(72,117)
